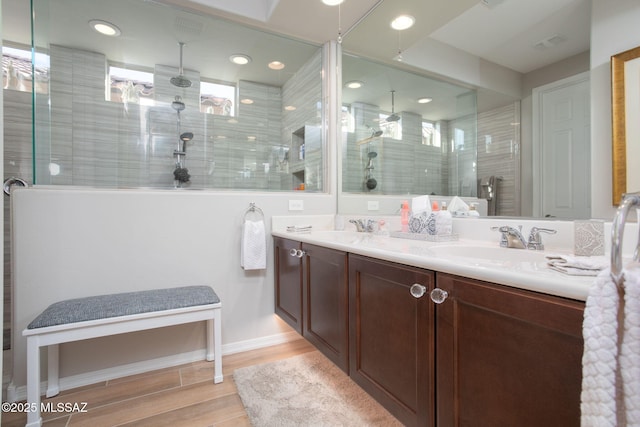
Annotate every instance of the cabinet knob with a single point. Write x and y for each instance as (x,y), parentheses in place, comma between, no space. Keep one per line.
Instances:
(297,253)
(417,290)
(438,295)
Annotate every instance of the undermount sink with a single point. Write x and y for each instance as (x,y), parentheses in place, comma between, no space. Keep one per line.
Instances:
(489,253)
(350,237)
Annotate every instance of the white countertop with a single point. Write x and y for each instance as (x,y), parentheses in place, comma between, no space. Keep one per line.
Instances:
(482,260)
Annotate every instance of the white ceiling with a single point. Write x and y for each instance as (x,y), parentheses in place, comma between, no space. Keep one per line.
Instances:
(505,34)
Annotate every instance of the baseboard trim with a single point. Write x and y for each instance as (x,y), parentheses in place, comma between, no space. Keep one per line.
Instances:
(18,393)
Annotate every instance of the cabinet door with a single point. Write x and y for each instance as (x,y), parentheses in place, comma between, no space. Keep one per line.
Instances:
(391,337)
(288,282)
(506,357)
(325,308)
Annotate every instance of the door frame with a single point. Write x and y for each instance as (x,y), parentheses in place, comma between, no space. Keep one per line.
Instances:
(538,94)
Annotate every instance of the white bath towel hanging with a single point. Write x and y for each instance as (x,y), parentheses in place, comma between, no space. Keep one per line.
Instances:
(611,358)
(253,246)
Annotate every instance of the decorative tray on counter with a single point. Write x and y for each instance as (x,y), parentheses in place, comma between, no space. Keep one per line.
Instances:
(426,237)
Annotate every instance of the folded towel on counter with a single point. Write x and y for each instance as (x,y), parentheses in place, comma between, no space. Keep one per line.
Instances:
(577,265)
(610,363)
(299,228)
(253,247)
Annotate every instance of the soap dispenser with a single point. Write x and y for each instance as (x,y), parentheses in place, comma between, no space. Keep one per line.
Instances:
(473,210)
(404,216)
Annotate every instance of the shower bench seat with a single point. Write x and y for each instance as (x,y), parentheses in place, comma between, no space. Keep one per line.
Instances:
(104,315)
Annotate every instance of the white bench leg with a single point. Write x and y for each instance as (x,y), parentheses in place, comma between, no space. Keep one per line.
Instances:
(214,344)
(211,336)
(33,382)
(53,375)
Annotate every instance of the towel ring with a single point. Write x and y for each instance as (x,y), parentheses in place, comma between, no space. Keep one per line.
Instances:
(253,210)
(617,231)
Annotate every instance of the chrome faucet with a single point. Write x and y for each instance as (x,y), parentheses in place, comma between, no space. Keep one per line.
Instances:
(513,238)
(363,226)
(535,240)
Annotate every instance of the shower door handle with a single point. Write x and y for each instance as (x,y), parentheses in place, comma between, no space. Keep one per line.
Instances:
(9,182)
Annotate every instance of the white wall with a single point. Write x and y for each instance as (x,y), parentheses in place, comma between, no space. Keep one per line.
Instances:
(613,30)
(72,242)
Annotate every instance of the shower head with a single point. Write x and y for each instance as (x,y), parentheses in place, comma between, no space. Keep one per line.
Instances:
(372,154)
(393,117)
(177,104)
(376,133)
(180,80)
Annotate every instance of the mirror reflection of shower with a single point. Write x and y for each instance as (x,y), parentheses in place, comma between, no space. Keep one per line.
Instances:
(370,182)
(180,173)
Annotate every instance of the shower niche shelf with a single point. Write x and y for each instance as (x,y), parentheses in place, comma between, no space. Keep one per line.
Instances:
(305,158)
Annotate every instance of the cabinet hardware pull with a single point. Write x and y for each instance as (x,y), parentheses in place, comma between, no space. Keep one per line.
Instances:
(417,290)
(438,295)
(293,252)
(300,253)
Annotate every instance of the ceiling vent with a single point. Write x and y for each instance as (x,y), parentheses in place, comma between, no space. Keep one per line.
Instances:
(549,42)
(491,3)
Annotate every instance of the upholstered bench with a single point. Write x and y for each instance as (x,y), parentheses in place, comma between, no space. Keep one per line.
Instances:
(103,315)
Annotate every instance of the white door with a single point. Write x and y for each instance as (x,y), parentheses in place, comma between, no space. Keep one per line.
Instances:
(562,135)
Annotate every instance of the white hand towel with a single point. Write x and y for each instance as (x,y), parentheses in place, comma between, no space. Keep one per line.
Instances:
(611,362)
(630,348)
(253,248)
(577,265)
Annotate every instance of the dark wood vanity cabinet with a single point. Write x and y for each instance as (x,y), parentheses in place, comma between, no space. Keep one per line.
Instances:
(325,302)
(311,294)
(486,355)
(506,357)
(391,337)
(288,280)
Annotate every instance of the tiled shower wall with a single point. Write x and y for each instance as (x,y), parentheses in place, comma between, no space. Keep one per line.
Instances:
(407,166)
(400,166)
(499,155)
(93,142)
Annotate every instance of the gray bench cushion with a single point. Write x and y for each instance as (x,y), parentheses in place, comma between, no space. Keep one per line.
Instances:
(124,304)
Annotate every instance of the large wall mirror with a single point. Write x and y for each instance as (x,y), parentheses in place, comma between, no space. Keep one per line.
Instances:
(625,90)
(516,47)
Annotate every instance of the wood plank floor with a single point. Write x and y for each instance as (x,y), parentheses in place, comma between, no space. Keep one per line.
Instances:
(180,396)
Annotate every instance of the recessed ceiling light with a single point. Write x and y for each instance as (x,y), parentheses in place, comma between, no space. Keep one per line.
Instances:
(104,27)
(424,100)
(240,59)
(354,84)
(332,2)
(403,22)
(276,65)
(251,138)
(247,101)
(290,108)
